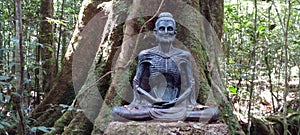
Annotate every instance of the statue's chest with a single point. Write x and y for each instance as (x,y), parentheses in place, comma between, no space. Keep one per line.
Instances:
(164,65)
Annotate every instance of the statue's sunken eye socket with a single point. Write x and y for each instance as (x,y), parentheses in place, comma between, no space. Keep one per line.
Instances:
(161,28)
(168,28)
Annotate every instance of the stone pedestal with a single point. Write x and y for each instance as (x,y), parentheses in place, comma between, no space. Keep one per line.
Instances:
(165,128)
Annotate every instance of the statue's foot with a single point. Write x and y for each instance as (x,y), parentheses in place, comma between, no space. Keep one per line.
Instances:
(121,113)
(206,115)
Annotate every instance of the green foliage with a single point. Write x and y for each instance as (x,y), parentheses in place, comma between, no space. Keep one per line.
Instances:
(55,21)
(232,90)
(267,57)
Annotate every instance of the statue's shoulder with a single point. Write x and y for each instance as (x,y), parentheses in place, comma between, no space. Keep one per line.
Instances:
(146,52)
(183,53)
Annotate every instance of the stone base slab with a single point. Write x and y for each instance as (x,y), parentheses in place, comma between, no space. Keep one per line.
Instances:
(165,128)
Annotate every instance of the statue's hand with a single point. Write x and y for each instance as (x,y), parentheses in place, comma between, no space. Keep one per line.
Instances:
(159,104)
(170,104)
(165,104)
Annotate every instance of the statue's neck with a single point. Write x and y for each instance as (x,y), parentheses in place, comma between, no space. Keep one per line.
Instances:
(165,47)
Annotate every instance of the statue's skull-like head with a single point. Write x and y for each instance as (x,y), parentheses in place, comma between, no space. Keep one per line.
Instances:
(165,28)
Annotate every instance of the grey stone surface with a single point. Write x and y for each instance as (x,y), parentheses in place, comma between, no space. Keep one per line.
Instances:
(165,128)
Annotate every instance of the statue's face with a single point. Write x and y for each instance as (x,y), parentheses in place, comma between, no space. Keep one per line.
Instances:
(165,31)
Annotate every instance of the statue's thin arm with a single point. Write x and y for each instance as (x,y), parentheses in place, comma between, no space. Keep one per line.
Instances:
(190,80)
(141,68)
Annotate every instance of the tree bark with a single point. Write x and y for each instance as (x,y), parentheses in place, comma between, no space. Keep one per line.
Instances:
(60,36)
(213,11)
(98,78)
(62,91)
(19,59)
(46,38)
(37,87)
(79,58)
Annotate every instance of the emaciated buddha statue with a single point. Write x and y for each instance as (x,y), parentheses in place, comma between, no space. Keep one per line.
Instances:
(164,84)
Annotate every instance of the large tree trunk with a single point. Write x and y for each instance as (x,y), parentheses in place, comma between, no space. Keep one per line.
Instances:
(76,65)
(62,91)
(89,96)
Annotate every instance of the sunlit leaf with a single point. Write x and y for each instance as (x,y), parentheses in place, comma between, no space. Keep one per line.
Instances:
(33,129)
(71,108)
(79,110)
(41,128)
(44,129)
(261,28)
(196,126)
(63,105)
(232,90)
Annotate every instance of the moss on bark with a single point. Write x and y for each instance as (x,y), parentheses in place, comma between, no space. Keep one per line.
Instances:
(60,124)
(80,125)
(48,117)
